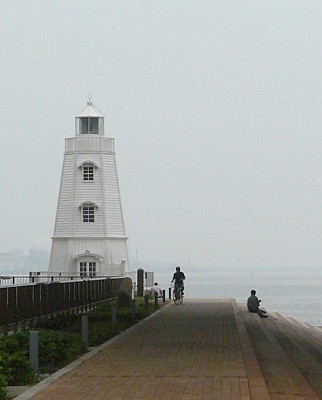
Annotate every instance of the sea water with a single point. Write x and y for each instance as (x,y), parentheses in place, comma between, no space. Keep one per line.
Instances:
(292,293)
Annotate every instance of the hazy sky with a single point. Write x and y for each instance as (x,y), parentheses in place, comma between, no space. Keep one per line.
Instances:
(216,111)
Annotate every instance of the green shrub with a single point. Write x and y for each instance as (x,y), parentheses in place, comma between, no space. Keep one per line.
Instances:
(22,373)
(15,355)
(124,314)
(123,300)
(56,348)
(100,314)
(100,332)
(4,373)
(18,340)
(65,322)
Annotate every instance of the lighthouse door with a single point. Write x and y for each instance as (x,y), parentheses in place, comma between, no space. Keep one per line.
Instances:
(87,268)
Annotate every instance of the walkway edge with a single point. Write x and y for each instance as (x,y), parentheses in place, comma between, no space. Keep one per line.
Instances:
(257,385)
(29,393)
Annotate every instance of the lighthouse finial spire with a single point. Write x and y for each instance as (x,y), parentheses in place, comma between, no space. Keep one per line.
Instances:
(89,101)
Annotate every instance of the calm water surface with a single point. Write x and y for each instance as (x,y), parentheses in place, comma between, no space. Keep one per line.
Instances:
(293,294)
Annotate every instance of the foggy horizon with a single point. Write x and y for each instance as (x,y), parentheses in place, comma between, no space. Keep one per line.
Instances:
(215,111)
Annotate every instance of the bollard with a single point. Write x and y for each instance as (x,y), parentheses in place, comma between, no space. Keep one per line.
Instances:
(34,350)
(114,316)
(156,298)
(163,296)
(133,309)
(140,281)
(146,302)
(169,293)
(85,330)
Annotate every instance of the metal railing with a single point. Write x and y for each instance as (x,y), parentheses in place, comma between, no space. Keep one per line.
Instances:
(43,277)
(21,302)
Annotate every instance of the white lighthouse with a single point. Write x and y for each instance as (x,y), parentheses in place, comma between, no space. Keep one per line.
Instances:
(89,236)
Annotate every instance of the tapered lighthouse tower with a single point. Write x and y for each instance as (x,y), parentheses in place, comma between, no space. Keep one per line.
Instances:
(89,236)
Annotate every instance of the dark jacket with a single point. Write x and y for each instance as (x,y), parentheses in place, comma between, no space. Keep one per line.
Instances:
(178,277)
(252,303)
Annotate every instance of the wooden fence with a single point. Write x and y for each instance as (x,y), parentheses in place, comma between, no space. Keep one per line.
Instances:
(26,302)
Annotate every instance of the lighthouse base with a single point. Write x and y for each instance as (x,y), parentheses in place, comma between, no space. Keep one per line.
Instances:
(89,257)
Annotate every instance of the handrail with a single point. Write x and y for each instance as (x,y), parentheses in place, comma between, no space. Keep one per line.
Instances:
(23,302)
(35,277)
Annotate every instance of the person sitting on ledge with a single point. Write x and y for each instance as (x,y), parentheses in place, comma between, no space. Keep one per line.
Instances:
(156,289)
(253,305)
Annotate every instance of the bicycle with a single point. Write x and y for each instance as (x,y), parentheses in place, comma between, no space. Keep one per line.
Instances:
(177,295)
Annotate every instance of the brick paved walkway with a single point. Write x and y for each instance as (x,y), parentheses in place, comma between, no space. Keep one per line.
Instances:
(191,351)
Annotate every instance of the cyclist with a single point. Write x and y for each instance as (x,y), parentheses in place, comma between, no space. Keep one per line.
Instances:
(178,278)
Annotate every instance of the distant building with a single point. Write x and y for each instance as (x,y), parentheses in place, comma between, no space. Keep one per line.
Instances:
(37,260)
(12,262)
(89,236)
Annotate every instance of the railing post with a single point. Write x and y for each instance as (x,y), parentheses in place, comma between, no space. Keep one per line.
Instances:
(146,302)
(133,309)
(156,298)
(140,281)
(85,330)
(163,296)
(114,316)
(34,350)
(170,293)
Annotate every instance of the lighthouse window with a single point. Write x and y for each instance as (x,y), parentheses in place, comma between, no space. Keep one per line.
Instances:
(89,125)
(93,125)
(83,269)
(92,269)
(88,213)
(88,172)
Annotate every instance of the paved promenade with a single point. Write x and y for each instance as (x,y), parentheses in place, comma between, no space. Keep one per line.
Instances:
(191,351)
(198,350)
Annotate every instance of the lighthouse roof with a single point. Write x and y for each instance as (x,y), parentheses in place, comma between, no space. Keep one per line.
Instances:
(90,111)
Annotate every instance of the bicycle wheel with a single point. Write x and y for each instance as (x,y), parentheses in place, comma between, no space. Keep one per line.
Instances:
(176,296)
